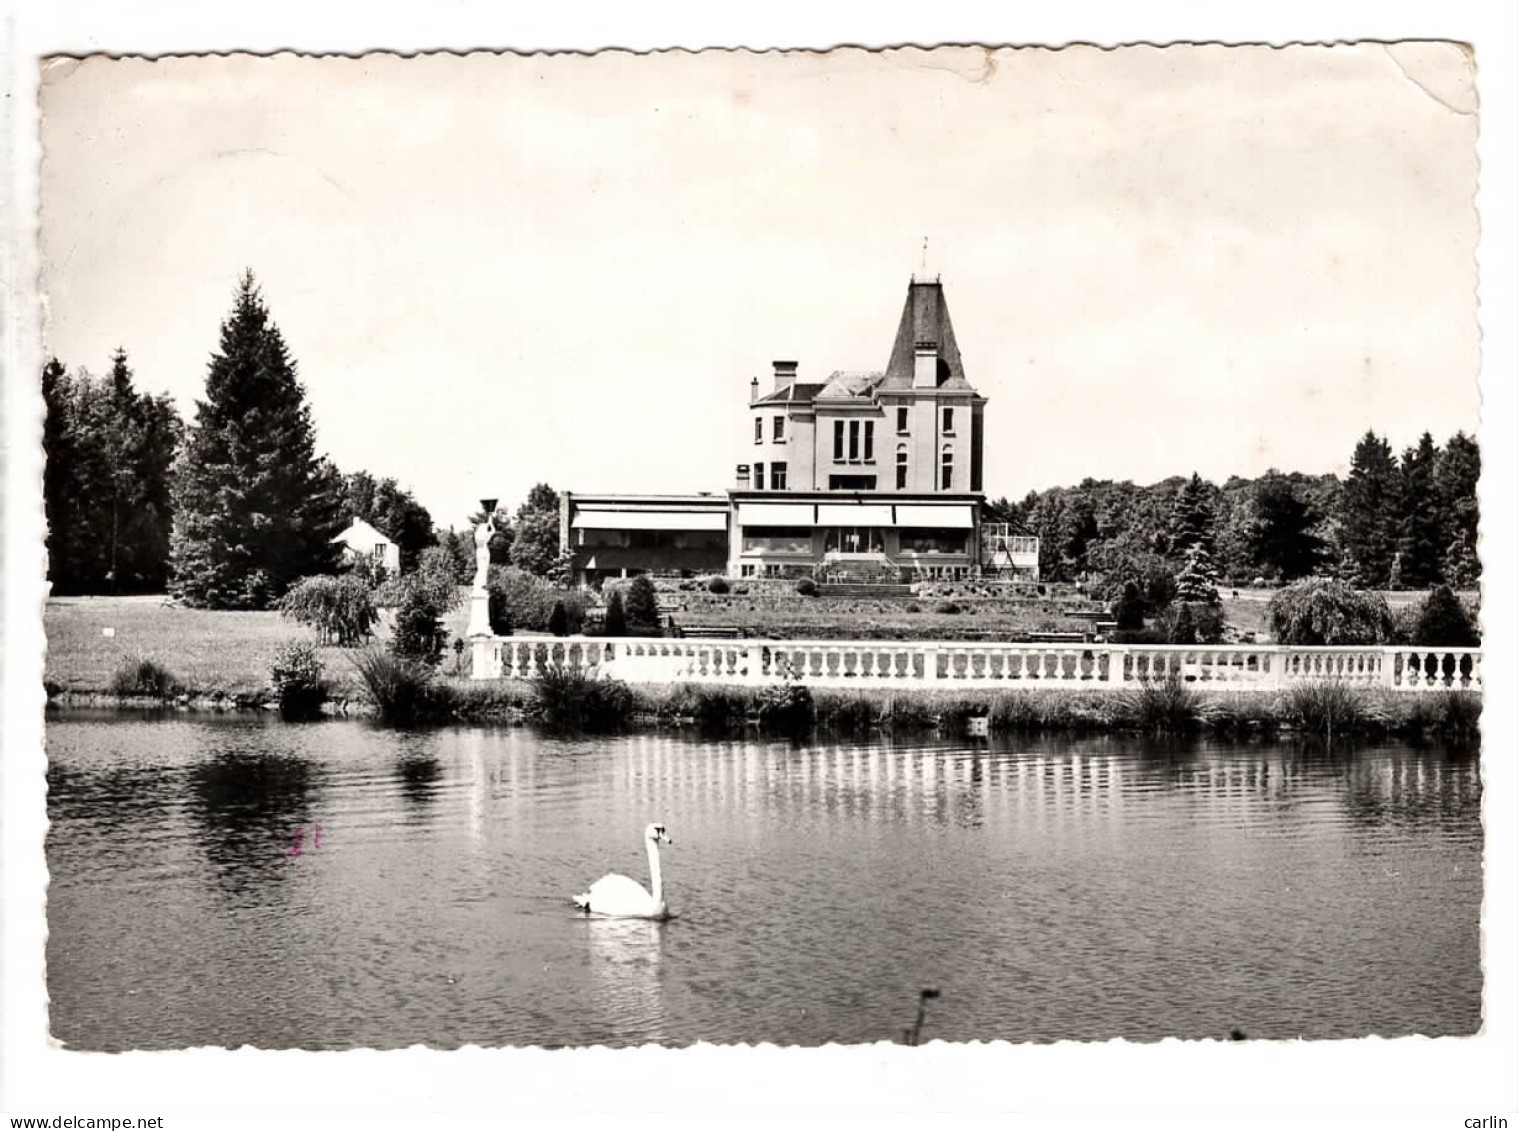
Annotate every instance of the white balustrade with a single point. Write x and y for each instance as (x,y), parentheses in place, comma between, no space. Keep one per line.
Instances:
(952,665)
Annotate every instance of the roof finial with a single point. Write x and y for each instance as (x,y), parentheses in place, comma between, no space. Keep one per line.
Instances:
(924,257)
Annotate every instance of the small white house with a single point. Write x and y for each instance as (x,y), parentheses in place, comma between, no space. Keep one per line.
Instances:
(361,542)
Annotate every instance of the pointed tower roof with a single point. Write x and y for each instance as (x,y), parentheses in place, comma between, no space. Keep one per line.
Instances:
(925,318)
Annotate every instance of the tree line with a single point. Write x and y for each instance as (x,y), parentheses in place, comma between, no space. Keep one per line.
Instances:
(230,510)
(233,508)
(1392,523)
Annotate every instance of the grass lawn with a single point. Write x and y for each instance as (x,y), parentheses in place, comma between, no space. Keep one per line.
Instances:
(228,653)
(209,652)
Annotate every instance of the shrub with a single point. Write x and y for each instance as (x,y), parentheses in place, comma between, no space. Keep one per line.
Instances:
(913,607)
(616,616)
(339,609)
(806,587)
(1128,609)
(1440,620)
(1164,706)
(642,605)
(296,678)
(522,600)
(144,677)
(787,709)
(1324,707)
(1192,622)
(717,585)
(572,698)
(404,691)
(1324,611)
(948,607)
(419,632)
(1459,715)
(433,575)
(558,620)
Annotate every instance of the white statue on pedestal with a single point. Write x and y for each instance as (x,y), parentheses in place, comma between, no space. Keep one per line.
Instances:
(482,536)
(479,600)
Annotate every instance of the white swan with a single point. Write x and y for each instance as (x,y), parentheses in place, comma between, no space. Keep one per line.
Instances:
(623,898)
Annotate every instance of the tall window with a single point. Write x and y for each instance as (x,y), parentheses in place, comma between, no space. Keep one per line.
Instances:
(779,433)
(901,467)
(948,469)
(759,476)
(758,429)
(853,440)
(901,418)
(777,476)
(837,441)
(948,421)
(869,441)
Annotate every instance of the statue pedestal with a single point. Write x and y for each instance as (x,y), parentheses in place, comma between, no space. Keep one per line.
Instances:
(479,612)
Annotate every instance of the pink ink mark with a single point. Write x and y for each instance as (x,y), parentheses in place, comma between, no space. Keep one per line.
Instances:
(299,844)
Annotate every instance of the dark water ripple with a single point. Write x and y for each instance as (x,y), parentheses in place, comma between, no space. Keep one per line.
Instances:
(1050,890)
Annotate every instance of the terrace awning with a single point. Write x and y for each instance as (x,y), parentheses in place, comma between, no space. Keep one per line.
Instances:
(776,514)
(917,516)
(649,520)
(854,514)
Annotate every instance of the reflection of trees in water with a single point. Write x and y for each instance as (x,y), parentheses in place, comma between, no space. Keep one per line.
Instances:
(972,783)
(249,808)
(116,792)
(419,775)
(1413,787)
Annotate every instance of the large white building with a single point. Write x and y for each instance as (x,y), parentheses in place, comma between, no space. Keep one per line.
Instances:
(875,472)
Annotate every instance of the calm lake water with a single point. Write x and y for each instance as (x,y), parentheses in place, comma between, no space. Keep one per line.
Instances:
(1049,889)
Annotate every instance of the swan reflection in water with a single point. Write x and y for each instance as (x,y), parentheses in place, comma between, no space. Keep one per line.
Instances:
(624,957)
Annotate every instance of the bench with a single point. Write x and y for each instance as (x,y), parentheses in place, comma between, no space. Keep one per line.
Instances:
(710,631)
(1056,638)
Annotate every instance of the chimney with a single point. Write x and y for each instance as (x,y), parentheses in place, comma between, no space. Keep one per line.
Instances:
(753,390)
(925,371)
(785,374)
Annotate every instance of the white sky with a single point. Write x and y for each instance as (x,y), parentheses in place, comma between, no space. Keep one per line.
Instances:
(498,270)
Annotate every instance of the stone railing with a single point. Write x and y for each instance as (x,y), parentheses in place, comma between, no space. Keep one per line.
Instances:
(953,665)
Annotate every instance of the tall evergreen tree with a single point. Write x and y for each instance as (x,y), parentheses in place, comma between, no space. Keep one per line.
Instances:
(256,508)
(1420,521)
(1192,518)
(109,454)
(1368,512)
(61,495)
(1456,474)
(1281,539)
(1197,583)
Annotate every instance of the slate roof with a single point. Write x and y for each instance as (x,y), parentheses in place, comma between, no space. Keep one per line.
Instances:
(925,318)
(844,385)
(801,392)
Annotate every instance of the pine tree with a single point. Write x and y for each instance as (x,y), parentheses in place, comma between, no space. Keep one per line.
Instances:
(109,453)
(1192,518)
(256,508)
(61,495)
(1280,540)
(1368,512)
(1457,472)
(1197,583)
(1420,522)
